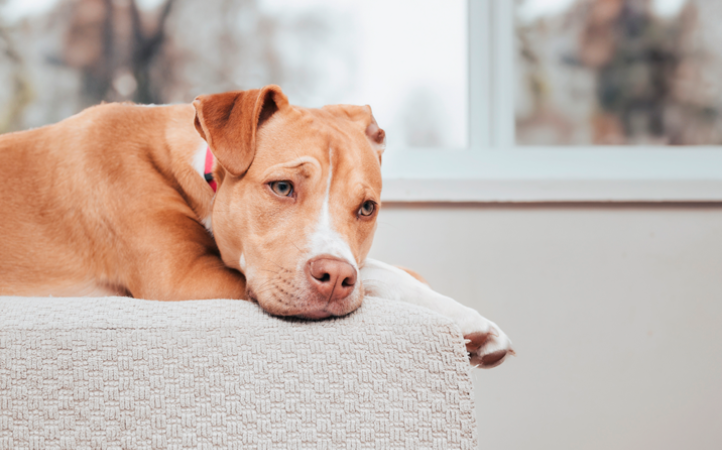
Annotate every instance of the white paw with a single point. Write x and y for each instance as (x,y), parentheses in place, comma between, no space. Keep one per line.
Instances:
(487,345)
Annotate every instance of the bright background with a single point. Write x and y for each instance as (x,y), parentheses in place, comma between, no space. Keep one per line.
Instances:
(618,72)
(410,64)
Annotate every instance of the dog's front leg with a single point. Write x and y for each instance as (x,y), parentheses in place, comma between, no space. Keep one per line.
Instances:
(487,345)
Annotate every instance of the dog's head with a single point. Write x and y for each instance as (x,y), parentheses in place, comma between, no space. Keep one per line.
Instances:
(298,196)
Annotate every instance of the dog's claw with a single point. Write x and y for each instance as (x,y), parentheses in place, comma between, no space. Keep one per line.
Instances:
(486,345)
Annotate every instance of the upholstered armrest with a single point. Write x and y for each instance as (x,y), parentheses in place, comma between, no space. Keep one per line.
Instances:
(125,373)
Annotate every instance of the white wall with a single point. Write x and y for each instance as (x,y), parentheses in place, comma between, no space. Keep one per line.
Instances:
(615,313)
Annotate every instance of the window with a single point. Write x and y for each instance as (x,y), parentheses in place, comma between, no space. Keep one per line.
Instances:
(516,156)
(482,100)
(591,72)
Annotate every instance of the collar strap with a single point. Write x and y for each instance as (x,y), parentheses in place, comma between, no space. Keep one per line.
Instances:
(208,172)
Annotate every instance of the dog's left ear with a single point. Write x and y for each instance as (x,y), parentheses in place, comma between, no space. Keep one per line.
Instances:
(376,135)
(228,122)
(363,116)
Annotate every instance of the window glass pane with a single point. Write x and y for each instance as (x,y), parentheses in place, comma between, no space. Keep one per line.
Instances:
(609,72)
(409,62)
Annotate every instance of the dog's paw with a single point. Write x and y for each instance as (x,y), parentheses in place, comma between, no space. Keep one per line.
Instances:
(486,344)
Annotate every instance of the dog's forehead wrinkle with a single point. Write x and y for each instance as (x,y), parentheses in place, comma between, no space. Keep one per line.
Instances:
(297,163)
(323,130)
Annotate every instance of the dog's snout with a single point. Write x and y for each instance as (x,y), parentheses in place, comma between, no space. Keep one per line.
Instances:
(333,278)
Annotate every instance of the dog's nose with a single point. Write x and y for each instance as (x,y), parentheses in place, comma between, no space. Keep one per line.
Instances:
(331,277)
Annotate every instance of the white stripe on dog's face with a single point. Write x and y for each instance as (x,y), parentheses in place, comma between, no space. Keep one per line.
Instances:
(325,240)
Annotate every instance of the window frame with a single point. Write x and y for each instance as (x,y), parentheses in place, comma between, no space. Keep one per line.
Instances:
(494,169)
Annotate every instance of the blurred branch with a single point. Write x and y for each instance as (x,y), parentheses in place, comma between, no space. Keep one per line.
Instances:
(146,48)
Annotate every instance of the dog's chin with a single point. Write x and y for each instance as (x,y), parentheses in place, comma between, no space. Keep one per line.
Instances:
(314,315)
(311,309)
(324,310)
(308,312)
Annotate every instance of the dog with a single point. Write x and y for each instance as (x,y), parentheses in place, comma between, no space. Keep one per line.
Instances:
(239,196)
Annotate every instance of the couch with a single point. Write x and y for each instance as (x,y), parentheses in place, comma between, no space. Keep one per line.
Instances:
(121,373)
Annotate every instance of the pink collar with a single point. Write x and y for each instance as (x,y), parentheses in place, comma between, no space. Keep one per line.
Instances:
(208,172)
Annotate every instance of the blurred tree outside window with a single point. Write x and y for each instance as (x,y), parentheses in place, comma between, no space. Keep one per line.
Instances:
(58,57)
(618,72)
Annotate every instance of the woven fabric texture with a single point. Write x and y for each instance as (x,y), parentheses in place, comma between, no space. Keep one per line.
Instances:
(119,373)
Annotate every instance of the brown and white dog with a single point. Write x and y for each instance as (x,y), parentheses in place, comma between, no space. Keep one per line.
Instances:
(113,201)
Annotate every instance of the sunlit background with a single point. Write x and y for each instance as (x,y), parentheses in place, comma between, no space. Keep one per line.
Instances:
(619,72)
(409,64)
(587,72)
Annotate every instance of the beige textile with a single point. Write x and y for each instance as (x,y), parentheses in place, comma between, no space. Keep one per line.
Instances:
(119,373)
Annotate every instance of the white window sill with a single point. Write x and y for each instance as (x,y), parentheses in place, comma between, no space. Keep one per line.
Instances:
(554,175)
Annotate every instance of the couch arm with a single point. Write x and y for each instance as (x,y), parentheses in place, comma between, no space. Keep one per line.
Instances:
(125,373)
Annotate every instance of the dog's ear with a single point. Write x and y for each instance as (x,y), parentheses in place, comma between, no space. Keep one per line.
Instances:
(228,122)
(363,116)
(376,135)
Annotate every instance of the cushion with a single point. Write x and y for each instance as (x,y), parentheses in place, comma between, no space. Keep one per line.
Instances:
(121,373)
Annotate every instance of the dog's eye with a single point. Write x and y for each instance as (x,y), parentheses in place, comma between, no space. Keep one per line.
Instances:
(367,208)
(282,188)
